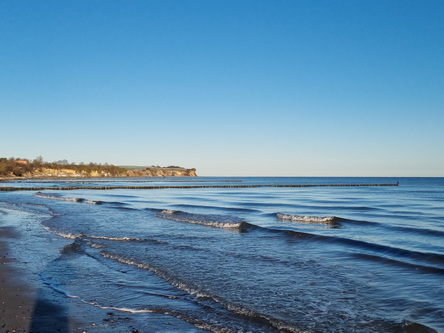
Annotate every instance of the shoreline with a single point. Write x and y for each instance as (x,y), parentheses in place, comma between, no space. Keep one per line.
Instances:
(79,178)
(27,305)
(16,297)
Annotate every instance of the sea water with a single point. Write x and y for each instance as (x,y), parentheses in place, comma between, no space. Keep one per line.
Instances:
(267,259)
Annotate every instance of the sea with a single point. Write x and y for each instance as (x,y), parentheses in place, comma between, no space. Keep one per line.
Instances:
(206,255)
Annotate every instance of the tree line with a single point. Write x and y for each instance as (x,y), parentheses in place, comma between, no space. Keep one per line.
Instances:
(18,167)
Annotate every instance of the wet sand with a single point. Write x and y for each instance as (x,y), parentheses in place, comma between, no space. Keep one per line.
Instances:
(16,300)
(29,306)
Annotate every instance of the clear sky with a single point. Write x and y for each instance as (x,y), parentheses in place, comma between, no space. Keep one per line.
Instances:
(230,87)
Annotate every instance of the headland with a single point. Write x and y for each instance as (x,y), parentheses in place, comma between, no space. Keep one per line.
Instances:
(13,168)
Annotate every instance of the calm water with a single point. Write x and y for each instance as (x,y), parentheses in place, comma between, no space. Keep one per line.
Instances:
(224,260)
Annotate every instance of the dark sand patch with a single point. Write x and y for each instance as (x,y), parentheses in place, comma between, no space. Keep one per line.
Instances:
(17,298)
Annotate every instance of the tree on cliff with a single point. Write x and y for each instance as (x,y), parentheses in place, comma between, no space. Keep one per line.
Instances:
(14,166)
(38,161)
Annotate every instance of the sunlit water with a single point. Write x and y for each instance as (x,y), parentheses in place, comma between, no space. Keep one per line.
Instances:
(316,259)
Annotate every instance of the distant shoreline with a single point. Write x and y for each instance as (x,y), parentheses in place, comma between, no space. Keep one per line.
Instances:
(16,168)
(80,178)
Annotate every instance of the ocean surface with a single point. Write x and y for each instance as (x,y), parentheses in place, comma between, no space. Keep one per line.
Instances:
(265,259)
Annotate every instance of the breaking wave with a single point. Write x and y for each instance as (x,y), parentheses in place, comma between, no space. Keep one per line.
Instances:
(93,202)
(72,235)
(211,220)
(54,196)
(307,219)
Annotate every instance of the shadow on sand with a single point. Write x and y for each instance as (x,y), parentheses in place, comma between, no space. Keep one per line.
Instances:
(49,316)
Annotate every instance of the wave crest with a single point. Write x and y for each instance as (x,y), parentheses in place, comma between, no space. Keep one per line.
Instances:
(211,220)
(307,219)
(54,196)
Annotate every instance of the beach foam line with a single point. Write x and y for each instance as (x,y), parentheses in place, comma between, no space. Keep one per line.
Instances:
(57,197)
(68,188)
(307,219)
(211,220)
(68,235)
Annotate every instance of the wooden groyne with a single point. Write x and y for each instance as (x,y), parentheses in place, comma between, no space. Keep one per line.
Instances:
(69,188)
(85,180)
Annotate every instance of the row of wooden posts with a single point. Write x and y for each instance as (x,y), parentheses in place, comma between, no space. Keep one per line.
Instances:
(67,188)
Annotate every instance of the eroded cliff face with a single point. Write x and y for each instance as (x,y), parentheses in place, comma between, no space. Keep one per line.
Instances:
(49,172)
(148,172)
(162,172)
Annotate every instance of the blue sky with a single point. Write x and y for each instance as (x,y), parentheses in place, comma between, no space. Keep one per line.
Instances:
(232,88)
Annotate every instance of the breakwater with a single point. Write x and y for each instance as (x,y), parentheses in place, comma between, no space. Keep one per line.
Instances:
(68,188)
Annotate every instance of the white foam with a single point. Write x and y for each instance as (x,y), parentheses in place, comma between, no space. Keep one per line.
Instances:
(169,211)
(69,235)
(93,202)
(66,235)
(119,239)
(127,310)
(216,221)
(307,219)
(56,197)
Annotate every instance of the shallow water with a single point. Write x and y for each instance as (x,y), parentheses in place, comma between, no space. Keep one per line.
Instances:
(344,259)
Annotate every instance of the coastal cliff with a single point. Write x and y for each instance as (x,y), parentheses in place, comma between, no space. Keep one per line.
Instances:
(20,168)
(70,173)
(162,172)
